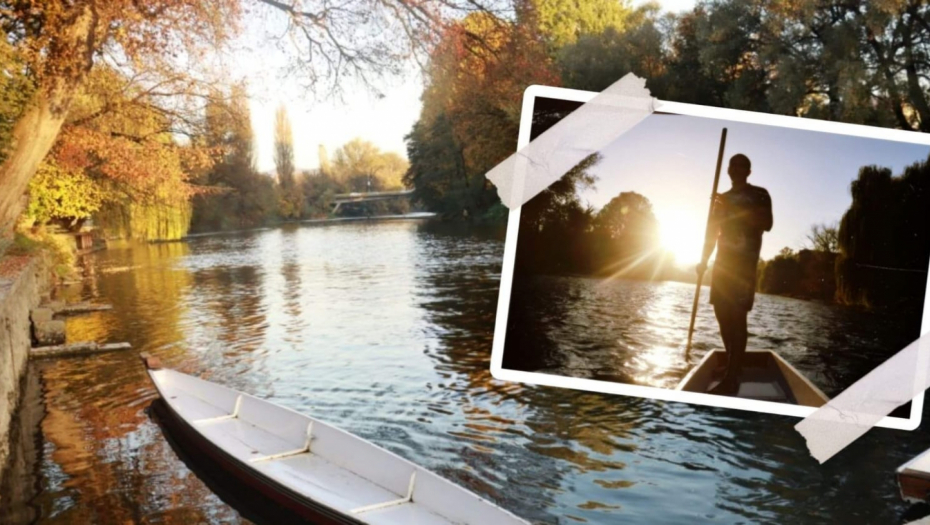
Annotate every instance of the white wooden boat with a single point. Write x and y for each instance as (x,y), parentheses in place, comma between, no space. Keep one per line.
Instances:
(914,479)
(766,377)
(314,469)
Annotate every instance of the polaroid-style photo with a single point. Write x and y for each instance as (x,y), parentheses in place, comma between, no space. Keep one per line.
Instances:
(803,272)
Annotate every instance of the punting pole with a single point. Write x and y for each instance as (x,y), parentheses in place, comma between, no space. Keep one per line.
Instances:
(708,248)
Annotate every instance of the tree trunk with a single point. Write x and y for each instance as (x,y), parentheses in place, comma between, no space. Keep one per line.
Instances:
(68,58)
(33,137)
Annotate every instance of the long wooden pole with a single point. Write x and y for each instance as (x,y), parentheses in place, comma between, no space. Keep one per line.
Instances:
(708,248)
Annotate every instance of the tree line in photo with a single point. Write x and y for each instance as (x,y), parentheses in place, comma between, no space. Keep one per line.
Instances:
(875,256)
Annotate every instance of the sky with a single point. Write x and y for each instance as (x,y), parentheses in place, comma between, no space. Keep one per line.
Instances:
(670,159)
(332,123)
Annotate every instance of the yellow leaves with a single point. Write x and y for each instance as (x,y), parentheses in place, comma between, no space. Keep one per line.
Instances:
(57,193)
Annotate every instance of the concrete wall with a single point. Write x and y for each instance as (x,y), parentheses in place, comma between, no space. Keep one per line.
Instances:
(19,293)
(20,484)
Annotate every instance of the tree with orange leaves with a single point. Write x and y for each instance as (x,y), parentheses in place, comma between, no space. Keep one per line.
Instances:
(58,43)
(471,109)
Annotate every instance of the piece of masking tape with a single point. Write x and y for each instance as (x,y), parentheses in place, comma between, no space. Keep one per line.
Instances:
(858,408)
(583,132)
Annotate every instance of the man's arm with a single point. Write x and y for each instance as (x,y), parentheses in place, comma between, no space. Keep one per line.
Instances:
(713,231)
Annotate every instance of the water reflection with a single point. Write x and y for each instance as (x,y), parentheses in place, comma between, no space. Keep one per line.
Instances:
(634,332)
(386,330)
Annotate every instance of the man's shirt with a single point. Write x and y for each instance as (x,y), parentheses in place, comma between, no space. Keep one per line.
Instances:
(740,218)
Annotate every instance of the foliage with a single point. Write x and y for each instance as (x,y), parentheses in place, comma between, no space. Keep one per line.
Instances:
(565,21)
(116,150)
(38,242)
(361,166)
(241,198)
(824,238)
(290,197)
(61,44)
(56,193)
(598,59)
(884,238)
(471,109)
(16,89)
(319,189)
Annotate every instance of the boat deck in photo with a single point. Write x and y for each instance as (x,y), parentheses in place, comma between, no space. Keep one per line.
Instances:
(766,377)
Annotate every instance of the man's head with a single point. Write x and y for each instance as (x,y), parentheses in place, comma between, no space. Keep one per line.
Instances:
(739,168)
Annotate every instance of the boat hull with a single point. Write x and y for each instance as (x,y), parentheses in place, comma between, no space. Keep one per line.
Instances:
(248,478)
(913,479)
(767,377)
(313,470)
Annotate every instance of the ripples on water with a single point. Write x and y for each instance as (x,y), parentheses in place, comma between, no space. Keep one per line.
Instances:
(385,330)
(635,332)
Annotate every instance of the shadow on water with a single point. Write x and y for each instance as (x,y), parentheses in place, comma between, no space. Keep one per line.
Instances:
(250,504)
(22,477)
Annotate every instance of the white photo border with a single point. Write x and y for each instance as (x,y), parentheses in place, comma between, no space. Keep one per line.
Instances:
(665,394)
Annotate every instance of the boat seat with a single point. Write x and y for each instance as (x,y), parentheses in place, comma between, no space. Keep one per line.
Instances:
(326,482)
(299,469)
(193,408)
(408,514)
(243,440)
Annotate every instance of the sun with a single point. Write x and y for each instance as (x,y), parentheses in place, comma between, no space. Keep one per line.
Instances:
(681,234)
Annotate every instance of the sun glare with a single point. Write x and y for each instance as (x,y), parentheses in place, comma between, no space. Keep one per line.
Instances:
(682,235)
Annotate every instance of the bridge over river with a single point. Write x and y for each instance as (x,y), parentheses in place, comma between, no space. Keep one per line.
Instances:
(369,196)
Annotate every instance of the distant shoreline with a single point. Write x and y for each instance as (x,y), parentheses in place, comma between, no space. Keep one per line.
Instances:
(379,218)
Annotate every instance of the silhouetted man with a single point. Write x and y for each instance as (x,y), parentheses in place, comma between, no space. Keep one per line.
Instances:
(740,217)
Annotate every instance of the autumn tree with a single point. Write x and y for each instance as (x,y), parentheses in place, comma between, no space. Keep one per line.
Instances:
(58,43)
(283,148)
(239,197)
(291,199)
(362,166)
(55,44)
(117,152)
(471,109)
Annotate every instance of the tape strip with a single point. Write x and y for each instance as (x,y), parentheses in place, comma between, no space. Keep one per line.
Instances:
(858,408)
(583,132)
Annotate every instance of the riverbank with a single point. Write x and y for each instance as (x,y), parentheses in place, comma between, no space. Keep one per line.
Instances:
(23,280)
(335,220)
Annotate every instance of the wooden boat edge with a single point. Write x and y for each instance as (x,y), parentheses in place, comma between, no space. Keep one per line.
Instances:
(793,374)
(251,477)
(153,364)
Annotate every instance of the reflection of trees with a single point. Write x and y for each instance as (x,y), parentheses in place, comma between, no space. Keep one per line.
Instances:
(567,432)
(290,270)
(145,278)
(233,296)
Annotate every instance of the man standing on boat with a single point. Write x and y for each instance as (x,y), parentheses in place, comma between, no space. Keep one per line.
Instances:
(740,217)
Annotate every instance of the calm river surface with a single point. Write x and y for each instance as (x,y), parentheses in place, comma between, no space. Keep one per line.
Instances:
(385,329)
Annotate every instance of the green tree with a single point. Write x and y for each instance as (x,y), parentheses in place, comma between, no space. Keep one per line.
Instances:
(239,196)
(291,197)
(563,22)
(598,59)
(884,238)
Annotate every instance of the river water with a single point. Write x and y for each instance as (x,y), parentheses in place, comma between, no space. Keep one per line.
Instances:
(385,329)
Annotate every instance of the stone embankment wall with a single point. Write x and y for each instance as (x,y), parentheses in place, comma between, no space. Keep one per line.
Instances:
(22,282)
